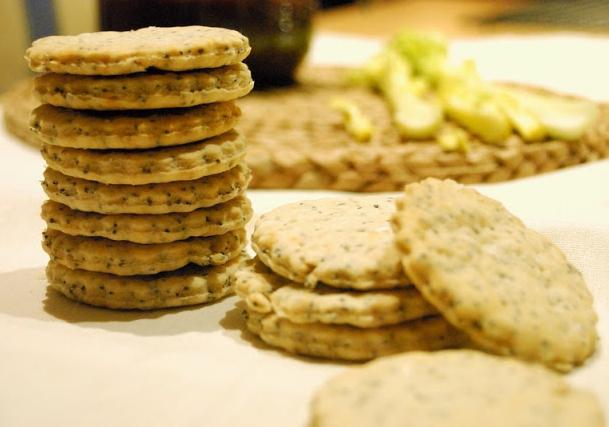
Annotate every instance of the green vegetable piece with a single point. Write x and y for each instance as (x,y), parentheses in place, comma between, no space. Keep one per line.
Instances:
(521,117)
(471,102)
(452,138)
(414,115)
(369,74)
(564,119)
(426,52)
(355,122)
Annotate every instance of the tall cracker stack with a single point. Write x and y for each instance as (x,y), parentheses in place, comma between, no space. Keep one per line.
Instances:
(145,173)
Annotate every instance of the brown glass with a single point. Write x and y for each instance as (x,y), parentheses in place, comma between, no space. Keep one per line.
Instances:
(279,30)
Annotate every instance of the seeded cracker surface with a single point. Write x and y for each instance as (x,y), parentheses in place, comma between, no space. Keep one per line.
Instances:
(134,129)
(156,165)
(457,388)
(126,258)
(180,196)
(264,292)
(509,288)
(189,285)
(345,243)
(350,343)
(110,52)
(161,228)
(145,91)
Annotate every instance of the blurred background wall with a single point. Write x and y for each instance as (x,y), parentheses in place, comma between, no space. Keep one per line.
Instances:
(23,20)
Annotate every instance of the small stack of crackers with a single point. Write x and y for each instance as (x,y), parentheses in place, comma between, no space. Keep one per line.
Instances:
(145,173)
(328,282)
(441,266)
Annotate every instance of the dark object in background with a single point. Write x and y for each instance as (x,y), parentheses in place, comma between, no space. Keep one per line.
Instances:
(331,3)
(580,14)
(279,30)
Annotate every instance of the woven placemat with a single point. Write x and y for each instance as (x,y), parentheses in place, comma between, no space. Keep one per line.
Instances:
(296,140)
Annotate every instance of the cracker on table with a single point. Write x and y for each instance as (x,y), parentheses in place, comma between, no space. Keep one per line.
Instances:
(189,285)
(180,196)
(138,129)
(126,258)
(452,388)
(113,52)
(508,287)
(160,228)
(346,243)
(145,91)
(155,165)
(264,292)
(345,342)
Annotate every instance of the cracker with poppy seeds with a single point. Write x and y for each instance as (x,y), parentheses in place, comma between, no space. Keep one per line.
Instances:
(344,243)
(161,228)
(188,285)
(126,258)
(265,292)
(452,388)
(508,287)
(126,52)
(155,165)
(346,342)
(145,91)
(170,197)
(137,129)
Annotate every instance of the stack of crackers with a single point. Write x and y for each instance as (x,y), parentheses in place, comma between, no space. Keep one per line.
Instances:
(145,173)
(441,266)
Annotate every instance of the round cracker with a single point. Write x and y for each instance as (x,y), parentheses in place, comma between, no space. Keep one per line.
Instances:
(508,287)
(345,243)
(345,342)
(137,129)
(145,91)
(264,292)
(452,389)
(189,285)
(161,228)
(156,165)
(170,197)
(114,52)
(127,258)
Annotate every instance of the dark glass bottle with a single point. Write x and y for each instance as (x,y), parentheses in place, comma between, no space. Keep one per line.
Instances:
(279,30)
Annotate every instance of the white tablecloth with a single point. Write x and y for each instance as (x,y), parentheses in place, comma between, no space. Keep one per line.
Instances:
(66,364)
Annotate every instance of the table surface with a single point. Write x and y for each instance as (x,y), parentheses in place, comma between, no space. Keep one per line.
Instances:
(63,363)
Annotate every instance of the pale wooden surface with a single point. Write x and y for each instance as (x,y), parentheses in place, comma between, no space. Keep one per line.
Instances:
(454,18)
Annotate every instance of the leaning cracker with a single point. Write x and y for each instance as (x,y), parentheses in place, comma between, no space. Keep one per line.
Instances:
(509,288)
(127,258)
(264,292)
(345,243)
(452,388)
(189,285)
(112,52)
(137,129)
(181,196)
(161,228)
(351,343)
(145,91)
(156,165)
